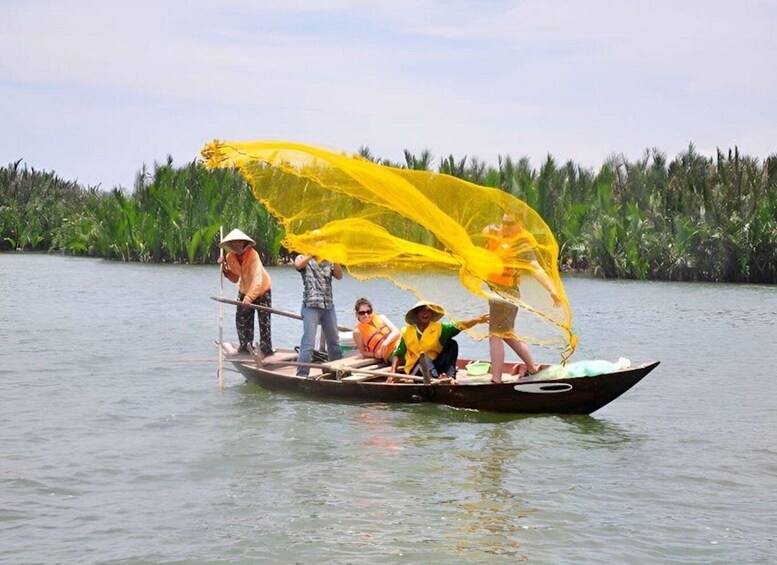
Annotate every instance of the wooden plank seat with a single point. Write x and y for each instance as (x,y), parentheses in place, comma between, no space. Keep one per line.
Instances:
(280,357)
(356,376)
(284,359)
(353,362)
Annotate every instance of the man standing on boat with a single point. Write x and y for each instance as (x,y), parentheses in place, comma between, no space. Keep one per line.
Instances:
(318,308)
(503,239)
(243,266)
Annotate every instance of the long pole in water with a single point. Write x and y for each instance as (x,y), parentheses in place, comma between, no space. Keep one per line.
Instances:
(220,370)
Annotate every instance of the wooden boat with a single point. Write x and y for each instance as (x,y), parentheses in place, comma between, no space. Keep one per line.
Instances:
(357,378)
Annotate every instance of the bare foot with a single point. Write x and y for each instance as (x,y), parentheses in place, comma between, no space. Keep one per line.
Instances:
(520,370)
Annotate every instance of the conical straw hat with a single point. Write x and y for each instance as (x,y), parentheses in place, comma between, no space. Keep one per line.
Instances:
(411,316)
(236,235)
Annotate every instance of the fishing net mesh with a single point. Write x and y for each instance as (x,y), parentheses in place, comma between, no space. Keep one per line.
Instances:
(441,238)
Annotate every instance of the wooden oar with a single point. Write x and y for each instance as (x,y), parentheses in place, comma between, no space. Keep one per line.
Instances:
(220,370)
(271,310)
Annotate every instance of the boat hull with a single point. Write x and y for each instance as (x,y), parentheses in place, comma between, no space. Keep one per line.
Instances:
(579,395)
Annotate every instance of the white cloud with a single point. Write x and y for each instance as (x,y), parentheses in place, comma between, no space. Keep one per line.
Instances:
(94,89)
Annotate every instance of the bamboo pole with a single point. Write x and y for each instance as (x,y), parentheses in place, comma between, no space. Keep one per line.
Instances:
(271,310)
(220,370)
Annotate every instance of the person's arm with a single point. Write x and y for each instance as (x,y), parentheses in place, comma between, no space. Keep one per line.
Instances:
(399,354)
(467,324)
(358,339)
(301,261)
(543,278)
(490,229)
(231,277)
(224,262)
(253,271)
(392,336)
(337,271)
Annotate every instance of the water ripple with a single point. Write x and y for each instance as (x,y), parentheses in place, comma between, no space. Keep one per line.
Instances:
(117,446)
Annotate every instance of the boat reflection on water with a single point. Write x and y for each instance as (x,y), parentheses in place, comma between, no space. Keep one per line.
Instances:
(494,511)
(596,432)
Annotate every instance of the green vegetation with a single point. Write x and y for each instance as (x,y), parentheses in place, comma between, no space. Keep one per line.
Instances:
(693,218)
(173,215)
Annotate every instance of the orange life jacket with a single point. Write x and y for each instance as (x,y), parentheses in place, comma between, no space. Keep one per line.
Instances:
(508,276)
(375,333)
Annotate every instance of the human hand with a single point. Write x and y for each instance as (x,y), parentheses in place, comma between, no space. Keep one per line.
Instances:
(220,260)
(381,351)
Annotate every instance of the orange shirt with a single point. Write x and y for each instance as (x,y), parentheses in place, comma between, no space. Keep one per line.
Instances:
(254,279)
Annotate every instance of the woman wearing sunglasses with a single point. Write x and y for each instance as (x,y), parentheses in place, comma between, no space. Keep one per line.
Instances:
(375,335)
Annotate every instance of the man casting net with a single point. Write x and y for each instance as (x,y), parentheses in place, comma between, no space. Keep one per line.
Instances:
(444,239)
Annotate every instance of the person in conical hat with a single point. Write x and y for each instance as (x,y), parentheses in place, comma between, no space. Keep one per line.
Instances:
(236,236)
(425,334)
(436,312)
(243,266)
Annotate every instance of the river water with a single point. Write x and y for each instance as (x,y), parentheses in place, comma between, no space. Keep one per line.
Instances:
(118,446)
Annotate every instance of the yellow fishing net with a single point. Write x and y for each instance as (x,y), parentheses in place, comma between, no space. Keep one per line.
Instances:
(445,240)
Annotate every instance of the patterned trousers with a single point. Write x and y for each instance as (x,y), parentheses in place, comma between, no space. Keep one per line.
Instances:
(244,321)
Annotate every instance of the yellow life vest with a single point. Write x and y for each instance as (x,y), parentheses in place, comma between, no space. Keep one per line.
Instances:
(375,333)
(429,343)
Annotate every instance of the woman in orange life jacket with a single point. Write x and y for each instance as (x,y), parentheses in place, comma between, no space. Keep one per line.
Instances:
(501,313)
(243,266)
(375,335)
(426,334)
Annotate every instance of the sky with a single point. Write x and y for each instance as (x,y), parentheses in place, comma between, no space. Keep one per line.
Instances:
(93,90)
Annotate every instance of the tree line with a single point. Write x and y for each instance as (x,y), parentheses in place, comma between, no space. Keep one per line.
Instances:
(172,215)
(694,218)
